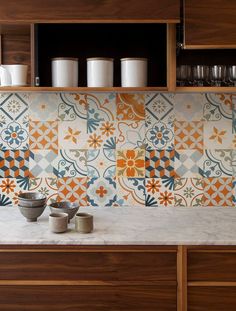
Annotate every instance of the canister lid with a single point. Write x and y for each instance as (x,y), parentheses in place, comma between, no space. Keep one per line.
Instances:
(100,58)
(65,58)
(133,58)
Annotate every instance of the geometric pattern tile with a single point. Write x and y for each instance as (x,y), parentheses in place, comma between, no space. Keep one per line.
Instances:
(14,136)
(73,190)
(101,192)
(189,107)
(188,192)
(188,135)
(160,163)
(14,163)
(42,163)
(188,163)
(14,107)
(43,135)
(218,191)
(160,136)
(159,107)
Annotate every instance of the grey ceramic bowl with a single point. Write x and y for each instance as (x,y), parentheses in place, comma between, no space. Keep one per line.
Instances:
(31,199)
(65,207)
(31,213)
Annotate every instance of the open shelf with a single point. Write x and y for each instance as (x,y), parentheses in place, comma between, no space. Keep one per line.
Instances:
(102,40)
(206,89)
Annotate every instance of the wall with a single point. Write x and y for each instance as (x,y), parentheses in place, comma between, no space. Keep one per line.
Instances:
(119,149)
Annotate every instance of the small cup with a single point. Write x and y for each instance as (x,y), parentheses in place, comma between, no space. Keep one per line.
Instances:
(58,222)
(83,222)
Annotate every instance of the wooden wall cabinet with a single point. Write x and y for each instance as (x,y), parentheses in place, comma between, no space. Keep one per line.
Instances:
(209,24)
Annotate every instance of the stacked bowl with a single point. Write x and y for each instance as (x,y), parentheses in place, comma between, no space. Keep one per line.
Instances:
(31,205)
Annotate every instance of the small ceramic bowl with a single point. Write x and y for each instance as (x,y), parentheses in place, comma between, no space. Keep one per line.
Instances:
(31,199)
(65,207)
(31,213)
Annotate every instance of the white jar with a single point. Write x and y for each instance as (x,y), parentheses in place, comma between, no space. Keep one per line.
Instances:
(100,72)
(64,72)
(134,72)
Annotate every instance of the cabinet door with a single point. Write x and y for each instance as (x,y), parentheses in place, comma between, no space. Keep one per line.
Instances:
(210,24)
(76,10)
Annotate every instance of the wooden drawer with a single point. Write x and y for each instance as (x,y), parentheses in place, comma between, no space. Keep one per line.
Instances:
(87,298)
(212,298)
(212,266)
(108,266)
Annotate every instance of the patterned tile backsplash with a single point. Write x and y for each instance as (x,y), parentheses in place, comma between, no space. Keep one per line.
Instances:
(107,149)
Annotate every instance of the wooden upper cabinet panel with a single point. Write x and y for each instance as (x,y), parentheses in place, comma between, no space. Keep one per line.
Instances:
(210,23)
(87,10)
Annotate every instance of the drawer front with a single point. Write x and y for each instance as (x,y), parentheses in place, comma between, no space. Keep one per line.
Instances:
(87,298)
(211,298)
(116,266)
(212,266)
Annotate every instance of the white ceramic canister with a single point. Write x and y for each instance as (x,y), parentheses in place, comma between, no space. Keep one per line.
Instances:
(65,72)
(100,72)
(133,72)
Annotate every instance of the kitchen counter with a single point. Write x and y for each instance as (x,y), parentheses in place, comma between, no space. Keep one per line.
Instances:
(126,226)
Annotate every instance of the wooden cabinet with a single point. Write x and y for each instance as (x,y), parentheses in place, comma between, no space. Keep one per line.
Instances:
(209,24)
(88,278)
(89,10)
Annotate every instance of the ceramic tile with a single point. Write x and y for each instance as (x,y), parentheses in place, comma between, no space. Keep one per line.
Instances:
(188,135)
(10,188)
(103,135)
(101,192)
(14,135)
(217,163)
(43,135)
(218,135)
(188,192)
(73,106)
(160,191)
(130,191)
(188,107)
(160,163)
(43,106)
(131,135)
(217,107)
(14,163)
(189,163)
(130,107)
(160,135)
(14,107)
(42,163)
(73,189)
(218,191)
(159,108)
(101,163)
(48,186)
(130,163)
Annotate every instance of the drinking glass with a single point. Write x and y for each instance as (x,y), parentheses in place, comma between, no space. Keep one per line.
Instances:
(184,75)
(232,75)
(218,75)
(200,75)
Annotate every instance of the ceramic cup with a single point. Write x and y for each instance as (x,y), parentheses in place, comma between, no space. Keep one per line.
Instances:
(58,222)
(83,222)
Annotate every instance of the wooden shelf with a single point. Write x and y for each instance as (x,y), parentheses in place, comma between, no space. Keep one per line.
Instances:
(82,89)
(205,89)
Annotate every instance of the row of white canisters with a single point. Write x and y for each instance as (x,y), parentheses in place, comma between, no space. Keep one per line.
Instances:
(100,72)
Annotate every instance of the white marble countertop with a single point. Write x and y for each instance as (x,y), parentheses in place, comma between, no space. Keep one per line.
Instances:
(126,226)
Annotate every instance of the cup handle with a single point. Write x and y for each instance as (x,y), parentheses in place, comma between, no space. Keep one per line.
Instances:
(4,71)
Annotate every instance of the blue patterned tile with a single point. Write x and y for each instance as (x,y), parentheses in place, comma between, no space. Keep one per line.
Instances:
(101,192)
(217,163)
(159,107)
(217,107)
(42,163)
(101,163)
(160,163)
(130,191)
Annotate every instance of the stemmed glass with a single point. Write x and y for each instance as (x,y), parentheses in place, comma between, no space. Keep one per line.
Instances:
(184,75)
(218,75)
(232,75)
(200,75)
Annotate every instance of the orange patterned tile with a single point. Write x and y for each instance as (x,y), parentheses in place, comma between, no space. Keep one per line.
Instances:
(188,135)
(130,106)
(131,163)
(43,135)
(73,189)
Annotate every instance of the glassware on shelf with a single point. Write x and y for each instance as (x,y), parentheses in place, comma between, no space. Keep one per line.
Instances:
(218,75)
(231,77)
(200,75)
(184,75)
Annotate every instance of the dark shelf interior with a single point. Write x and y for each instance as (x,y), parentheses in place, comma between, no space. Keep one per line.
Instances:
(102,40)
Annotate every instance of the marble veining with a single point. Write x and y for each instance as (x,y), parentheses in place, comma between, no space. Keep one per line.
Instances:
(128,226)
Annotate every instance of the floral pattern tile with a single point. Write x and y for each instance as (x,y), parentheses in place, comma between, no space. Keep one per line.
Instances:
(130,106)
(101,192)
(130,191)
(218,191)
(13,107)
(101,163)
(159,108)
(188,192)
(131,134)
(218,135)
(103,135)
(48,186)
(160,136)
(43,135)
(218,163)
(160,191)
(160,163)
(10,188)
(188,135)
(15,135)
(73,189)
(130,163)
